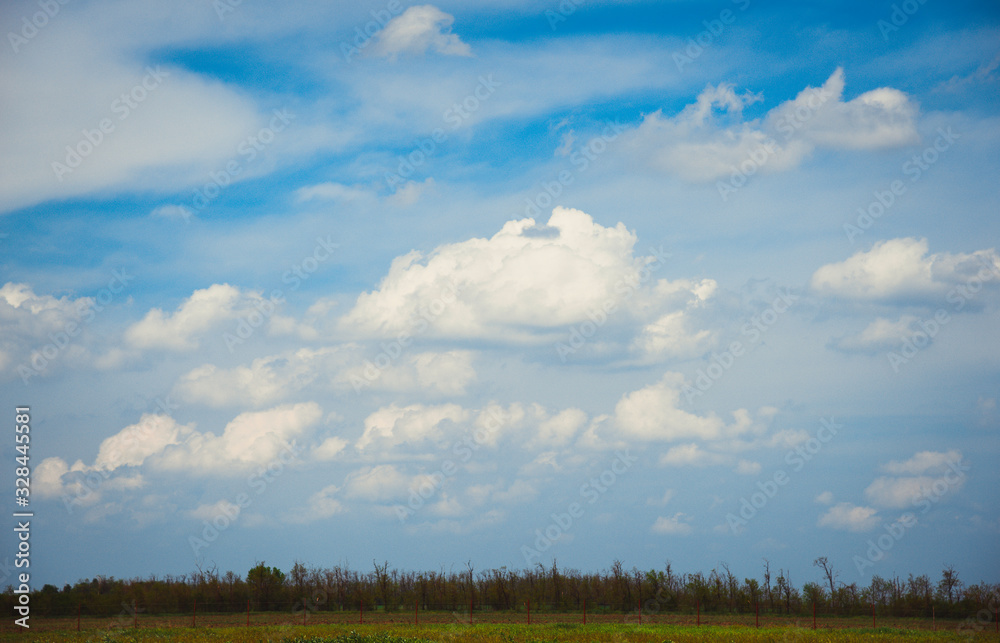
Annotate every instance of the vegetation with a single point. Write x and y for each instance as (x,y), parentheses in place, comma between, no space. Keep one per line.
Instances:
(551,590)
(504,634)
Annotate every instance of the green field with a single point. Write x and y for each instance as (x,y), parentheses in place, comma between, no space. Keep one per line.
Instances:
(502,633)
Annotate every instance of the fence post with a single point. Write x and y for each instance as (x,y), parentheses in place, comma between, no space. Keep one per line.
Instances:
(416,611)
(697,604)
(528,605)
(584,611)
(814,615)
(194,615)
(362,611)
(640,610)
(304,610)
(79,608)
(135,615)
(756,618)
(470,611)
(933,618)
(248,612)
(873,615)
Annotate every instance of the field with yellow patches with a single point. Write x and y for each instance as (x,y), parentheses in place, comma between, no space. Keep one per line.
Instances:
(498,633)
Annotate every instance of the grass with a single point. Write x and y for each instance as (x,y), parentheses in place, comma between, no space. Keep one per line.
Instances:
(498,633)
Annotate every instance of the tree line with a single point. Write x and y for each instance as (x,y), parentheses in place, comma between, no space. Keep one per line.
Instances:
(615,589)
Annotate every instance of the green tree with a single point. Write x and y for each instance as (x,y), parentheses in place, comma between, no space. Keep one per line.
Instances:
(266,585)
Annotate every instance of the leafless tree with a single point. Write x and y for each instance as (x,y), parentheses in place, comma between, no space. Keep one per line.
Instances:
(831,576)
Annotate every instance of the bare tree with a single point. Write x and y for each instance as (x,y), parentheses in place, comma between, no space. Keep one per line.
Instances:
(831,576)
(382,578)
(767,583)
(731,585)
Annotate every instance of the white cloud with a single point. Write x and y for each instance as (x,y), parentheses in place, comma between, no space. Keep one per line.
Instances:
(676,525)
(662,501)
(213,511)
(924,462)
(879,118)
(669,337)
(321,505)
(79,485)
(46,481)
(381,483)
(410,192)
(846,516)
(897,492)
(250,439)
(172,211)
(330,448)
(490,288)
(440,373)
(266,380)
(446,505)
(418,29)
(690,455)
(902,268)
(162,135)
(927,476)
(985,74)
(824,498)
(747,468)
(135,443)
(556,431)
(394,425)
(275,378)
(880,335)
(697,146)
(202,311)
(788,438)
(29,321)
(519,492)
(909,491)
(652,413)
(330,191)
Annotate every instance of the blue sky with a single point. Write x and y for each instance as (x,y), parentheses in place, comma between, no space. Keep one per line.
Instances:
(504,281)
